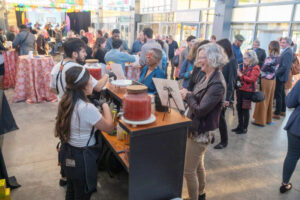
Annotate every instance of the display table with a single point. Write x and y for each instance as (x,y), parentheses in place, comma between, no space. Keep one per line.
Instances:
(33,80)
(157,154)
(10,66)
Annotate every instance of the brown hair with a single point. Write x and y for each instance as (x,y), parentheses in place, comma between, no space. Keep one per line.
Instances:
(74,92)
(97,45)
(193,52)
(274,48)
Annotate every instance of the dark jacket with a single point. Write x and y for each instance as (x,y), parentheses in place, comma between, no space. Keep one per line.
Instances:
(205,103)
(261,55)
(100,54)
(285,64)
(41,45)
(293,101)
(185,72)
(230,74)
(10,36)
(197,75)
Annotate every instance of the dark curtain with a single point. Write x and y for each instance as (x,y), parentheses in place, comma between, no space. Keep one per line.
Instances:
(19,17)
(79,20)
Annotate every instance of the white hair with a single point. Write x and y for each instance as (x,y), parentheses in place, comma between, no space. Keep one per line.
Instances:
(252,56)
(216,56)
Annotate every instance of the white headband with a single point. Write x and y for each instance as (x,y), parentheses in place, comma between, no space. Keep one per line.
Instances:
(80,75)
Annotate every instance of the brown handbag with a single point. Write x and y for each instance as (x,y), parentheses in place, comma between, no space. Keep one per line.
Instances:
(246,104)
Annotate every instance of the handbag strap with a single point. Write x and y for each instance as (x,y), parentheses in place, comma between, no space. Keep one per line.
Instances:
(59,76)
(92,133)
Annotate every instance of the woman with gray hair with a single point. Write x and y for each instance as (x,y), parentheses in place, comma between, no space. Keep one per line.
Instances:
(204,104)
(246,82)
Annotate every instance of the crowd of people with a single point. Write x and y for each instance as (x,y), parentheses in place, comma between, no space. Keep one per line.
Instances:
(213,75)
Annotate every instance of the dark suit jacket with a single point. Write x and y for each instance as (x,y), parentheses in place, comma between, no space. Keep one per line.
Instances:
(293,101)
(205,103)
(285,64)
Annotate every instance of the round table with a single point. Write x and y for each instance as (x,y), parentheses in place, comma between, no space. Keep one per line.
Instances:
(10,67)
(33,80)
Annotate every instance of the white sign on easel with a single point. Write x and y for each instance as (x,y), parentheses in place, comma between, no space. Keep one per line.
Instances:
(117,69)
(169,90)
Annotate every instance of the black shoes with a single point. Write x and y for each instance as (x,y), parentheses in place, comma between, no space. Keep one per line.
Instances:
(220,146)
(235,129)
(244,131)
(285,187)
(62,182)
(202,196)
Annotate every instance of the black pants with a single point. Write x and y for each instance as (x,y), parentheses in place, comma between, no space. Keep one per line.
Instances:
(280,97)
(223,128)
(2,69)
(172,69)
(292,157)
(75,190)
(243,114)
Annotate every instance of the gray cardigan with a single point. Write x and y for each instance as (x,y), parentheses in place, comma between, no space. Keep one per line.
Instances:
(27,45)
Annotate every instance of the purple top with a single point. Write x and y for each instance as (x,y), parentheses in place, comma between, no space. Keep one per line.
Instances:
(269,68)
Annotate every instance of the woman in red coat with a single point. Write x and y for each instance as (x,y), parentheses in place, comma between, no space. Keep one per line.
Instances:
(246,83)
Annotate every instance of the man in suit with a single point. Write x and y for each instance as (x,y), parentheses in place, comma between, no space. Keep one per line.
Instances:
(261,53)
(282,75)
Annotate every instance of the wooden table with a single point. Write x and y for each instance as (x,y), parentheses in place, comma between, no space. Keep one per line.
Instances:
(157,154)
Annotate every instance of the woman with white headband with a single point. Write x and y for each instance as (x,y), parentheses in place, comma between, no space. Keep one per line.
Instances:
(75,124)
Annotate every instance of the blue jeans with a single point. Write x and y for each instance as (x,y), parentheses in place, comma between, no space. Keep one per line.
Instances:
(291,158)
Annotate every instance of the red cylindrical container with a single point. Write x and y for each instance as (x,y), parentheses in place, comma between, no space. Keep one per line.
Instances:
(137,103)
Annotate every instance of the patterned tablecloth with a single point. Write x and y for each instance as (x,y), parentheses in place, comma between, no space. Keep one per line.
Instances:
(10,66)
(33,80)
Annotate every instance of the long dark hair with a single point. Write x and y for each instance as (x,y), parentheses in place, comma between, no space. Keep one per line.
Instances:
(225,43)
(74,92)
(97,45)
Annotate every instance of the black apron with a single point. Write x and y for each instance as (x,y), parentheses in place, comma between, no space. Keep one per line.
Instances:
(7,121)
(85,158)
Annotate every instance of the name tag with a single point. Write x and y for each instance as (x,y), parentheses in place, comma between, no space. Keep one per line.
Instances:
(70,162)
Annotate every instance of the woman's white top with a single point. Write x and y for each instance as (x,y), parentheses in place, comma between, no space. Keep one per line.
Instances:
(84,117)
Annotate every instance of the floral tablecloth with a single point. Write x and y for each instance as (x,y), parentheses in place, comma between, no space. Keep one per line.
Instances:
(10,67)
(33,80)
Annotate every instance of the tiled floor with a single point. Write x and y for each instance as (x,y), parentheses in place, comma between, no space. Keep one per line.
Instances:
(249,168)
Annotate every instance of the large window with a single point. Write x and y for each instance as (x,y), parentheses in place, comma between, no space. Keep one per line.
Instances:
(247,1)
(271,1)
(296,36)
(199,4)
(244,14)
(246,30)
(149,6)
(297,13)
(275,13)
(271,31)
(194,4)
